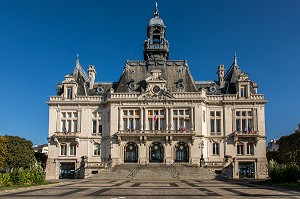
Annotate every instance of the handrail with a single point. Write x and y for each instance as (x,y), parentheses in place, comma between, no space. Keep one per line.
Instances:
(134,171)
(173,171)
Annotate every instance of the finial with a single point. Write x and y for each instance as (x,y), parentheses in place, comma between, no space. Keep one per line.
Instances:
(156,14)
(235,60)
(77,61)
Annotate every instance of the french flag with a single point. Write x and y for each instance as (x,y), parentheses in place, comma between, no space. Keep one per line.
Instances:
(155,117)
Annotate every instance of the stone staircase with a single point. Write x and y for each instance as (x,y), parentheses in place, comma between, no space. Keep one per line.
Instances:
(116,173)
(191,172)
(157,171)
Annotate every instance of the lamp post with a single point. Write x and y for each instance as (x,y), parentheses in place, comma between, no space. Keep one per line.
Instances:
(202,159)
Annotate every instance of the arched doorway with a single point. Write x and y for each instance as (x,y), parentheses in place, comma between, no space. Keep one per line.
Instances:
(156,153)
(131,153)
(182,152)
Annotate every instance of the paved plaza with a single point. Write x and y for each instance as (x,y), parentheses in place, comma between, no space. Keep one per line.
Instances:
(127,189)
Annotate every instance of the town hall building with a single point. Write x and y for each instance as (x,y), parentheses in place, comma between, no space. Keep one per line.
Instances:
(156,113)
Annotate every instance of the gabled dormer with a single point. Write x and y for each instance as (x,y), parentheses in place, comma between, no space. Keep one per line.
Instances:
(69,86)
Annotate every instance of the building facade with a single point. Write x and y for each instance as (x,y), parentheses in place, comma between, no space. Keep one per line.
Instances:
(157,113)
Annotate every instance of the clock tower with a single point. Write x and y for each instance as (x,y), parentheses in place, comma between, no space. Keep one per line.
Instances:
(156,47)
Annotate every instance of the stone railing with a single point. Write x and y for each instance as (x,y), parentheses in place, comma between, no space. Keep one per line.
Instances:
(78,98)
(158,46)
(230,97)
(187,95)
(245,134)
(155,132)
(257,97)
(123,95)
(214,97)
(66,134)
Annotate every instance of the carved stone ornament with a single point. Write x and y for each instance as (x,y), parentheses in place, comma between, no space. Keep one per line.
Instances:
(161,95)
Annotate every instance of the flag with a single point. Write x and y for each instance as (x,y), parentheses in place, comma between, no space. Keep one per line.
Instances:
(249,129)
(155,117)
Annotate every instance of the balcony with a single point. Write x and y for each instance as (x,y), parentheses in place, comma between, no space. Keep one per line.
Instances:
(241,136)
(156,133)
(245,134)
(66,135)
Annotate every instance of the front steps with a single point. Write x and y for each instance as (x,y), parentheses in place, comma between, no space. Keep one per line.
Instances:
(155,172)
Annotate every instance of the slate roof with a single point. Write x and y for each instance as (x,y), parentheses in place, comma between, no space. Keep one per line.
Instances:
(172,71)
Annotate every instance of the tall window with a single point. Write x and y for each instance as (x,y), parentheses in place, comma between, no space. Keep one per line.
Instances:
(216,148)
(72,149)
(69,122)
(156,120)
(63,149)
(243,91)
(97,149)
(215,122)
(244,121)
(131,120)
(97,123)
(181,120)
(69,93)
(250,149)
(240,149)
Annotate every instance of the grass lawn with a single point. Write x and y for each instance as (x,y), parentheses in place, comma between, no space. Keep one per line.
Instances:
(3,188)
(282,185)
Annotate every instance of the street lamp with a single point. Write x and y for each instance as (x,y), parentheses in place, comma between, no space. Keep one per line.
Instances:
(202,162)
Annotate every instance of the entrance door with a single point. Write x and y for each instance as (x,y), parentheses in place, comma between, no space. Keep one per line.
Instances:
(67,170)
(246,170)
(131,153)
(182,152)
(156,153)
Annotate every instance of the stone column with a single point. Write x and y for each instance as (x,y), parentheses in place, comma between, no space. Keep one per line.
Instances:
(120,120)
(166,118)
(171,119)
(146,119)
(254,113)
(233,120)
(141,118)
(192,124)
(79,120)
(58,129)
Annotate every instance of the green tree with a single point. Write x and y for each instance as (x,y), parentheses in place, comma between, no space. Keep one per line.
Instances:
(3,142)
(19,153)
(289,149)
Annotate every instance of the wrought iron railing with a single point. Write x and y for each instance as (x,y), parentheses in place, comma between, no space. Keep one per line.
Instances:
(173,171)
(135,171)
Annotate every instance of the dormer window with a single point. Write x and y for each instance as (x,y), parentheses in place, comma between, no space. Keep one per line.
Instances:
(244,91)
(69,93)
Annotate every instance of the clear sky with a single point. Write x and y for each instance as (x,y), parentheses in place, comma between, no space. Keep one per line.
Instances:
(39,41)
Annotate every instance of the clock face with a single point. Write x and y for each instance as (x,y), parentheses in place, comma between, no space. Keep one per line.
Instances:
(156,89)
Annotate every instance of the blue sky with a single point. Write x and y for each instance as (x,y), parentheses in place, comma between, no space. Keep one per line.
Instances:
(39,41)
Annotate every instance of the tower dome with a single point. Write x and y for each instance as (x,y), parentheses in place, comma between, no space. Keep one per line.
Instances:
(156,21)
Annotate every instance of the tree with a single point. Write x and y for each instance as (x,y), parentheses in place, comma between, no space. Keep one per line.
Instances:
(19,153)
(3,142)
(289,149)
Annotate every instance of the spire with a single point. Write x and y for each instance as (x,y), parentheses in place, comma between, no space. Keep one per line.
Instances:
(235,60)
(156,14)
(77,61)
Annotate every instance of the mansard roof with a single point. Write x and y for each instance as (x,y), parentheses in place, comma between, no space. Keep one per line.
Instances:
(136,72)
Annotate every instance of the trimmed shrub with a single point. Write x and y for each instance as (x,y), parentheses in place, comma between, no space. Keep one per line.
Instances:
(22,176)
(282,173)
(5,179)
